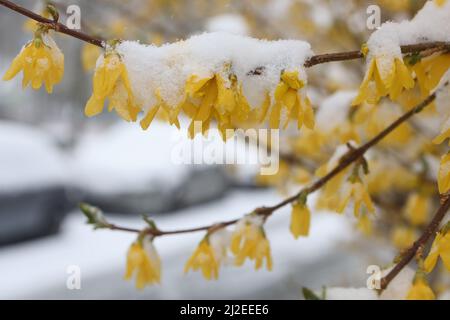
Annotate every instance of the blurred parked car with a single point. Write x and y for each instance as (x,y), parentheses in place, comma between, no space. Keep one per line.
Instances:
(33,200)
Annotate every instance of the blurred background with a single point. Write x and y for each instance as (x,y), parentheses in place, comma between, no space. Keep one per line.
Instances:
(52,157)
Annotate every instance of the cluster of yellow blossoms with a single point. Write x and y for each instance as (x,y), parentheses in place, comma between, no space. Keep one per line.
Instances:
(248,241)
(219,98)
(377,84)
(205,100)
(41,62)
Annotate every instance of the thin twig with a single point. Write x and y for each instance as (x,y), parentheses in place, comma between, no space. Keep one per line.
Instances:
(57,26)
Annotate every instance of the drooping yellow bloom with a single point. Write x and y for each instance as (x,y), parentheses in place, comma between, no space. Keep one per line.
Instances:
(289,99)
(439,248)
(249,241)
(41,61)
(430,70)
(378,83)
(162,111)
(356,191)
(204,258)
(440,3)
(444,174)
(216,98)
(417,209)
(111,82)
(143,259)
(420,290)
(403,237)
(89,56)
(300,220)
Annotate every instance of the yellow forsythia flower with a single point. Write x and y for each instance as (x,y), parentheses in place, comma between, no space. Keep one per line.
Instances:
(300,220)
(288,96)
(249,241)
(41,62)
(420,290)
(430,70)
(444,174)
(377,84)
(440,248)
(403,237)
(440,3)
(356,191)
(89,56)
(216,98)
(143,259)
(111,81)
(204,258)
(417,209)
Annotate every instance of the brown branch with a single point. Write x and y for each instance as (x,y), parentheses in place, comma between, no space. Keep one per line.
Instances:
(429,232)
(314,60)
(352,156)
(351,55)
(57,26)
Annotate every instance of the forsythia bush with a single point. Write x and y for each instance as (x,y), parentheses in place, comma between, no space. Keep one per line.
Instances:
(238,82)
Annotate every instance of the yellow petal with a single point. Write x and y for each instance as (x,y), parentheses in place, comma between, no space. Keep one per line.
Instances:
(300,220)
(94,106)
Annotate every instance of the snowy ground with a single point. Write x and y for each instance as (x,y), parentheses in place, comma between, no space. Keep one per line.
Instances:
(38,269)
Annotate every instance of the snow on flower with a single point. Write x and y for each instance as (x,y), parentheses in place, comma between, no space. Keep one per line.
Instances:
(205,259)
(219,77)
(249,241)
(210,254)
(387,73)
(111,82)
(143,259)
